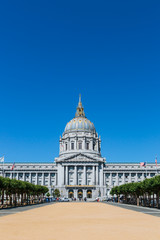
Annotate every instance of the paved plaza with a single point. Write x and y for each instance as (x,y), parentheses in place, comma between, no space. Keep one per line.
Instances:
(79,221)
(145,210)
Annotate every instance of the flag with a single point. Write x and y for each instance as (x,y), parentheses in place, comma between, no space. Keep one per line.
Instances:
(2,159)
(142,164)
(156,161)
(13,166)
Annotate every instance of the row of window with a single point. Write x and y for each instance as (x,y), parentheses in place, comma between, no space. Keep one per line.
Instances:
(32,175)
(136,166)
(29,166)
(127,175)
(79,146)
(71,182)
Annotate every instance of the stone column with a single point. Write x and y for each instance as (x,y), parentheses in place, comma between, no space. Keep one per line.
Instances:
(117,180)
(23,176)
(130,177)
(30,177)
(56,178)
(92,144)
(123,178)
(85,175)
(143,175)
(84,193)
(75,182)
(110,179)
(60,172)
(76,193)
(66,175)
(101,175)
(36,182)
(93,175)
(49,180)
(104,179)
(16,175)
(136,177)
(97,180)
(42,178)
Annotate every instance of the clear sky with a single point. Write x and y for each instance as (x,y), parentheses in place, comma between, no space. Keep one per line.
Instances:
(109,51)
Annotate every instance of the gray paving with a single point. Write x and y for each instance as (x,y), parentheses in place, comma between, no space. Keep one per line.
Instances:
(145,210)
(4,212)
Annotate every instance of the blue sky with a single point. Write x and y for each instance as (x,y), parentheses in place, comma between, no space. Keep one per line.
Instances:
(50,51)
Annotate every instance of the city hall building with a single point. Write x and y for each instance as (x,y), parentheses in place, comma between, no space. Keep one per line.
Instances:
(79,171)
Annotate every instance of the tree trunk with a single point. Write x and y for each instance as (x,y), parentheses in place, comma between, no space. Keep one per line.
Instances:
(153,200)
(149,198)
(25,198)
(21,199)
(6,199)
(18,199)
(137,200)
(10,199)
(14,200)
(144,200)
(157,200)
(2,201)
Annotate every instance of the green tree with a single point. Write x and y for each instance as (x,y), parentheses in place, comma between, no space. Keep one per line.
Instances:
(56,192)
(48,194)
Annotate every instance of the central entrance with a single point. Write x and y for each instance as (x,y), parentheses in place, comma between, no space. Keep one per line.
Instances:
(89,193)
(80,193)
(70,194)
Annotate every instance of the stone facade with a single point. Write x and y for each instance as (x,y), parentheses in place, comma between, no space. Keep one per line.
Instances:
(80,171)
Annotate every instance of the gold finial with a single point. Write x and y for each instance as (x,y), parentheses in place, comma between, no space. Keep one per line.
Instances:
(80,109)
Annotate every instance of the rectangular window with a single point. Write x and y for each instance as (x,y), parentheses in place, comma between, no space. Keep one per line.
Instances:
(80,145)
(79,182)
(87,146)
(72,146)
(66,146)
(89,182)
(70,182)
(94,146)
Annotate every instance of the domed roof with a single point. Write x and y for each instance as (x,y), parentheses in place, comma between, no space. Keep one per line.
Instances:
(80,122)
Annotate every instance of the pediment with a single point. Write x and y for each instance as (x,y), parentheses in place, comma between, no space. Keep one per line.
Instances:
(80,157)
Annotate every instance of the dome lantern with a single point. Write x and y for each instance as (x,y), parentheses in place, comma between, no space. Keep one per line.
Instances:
(80,122)
(80,109)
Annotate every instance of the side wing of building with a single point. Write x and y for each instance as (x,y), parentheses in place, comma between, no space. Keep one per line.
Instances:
(47,174)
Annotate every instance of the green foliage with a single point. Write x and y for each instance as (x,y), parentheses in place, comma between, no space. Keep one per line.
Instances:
(56,193)
(13,186)
(48,194)
(149,186)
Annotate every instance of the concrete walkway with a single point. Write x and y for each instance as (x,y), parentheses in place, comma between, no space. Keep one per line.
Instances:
(145,210)
(80,221)
(7,211)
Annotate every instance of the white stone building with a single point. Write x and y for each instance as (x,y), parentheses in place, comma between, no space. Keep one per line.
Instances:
(80,171)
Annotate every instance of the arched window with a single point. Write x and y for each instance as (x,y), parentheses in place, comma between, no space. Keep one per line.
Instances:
(66,146)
